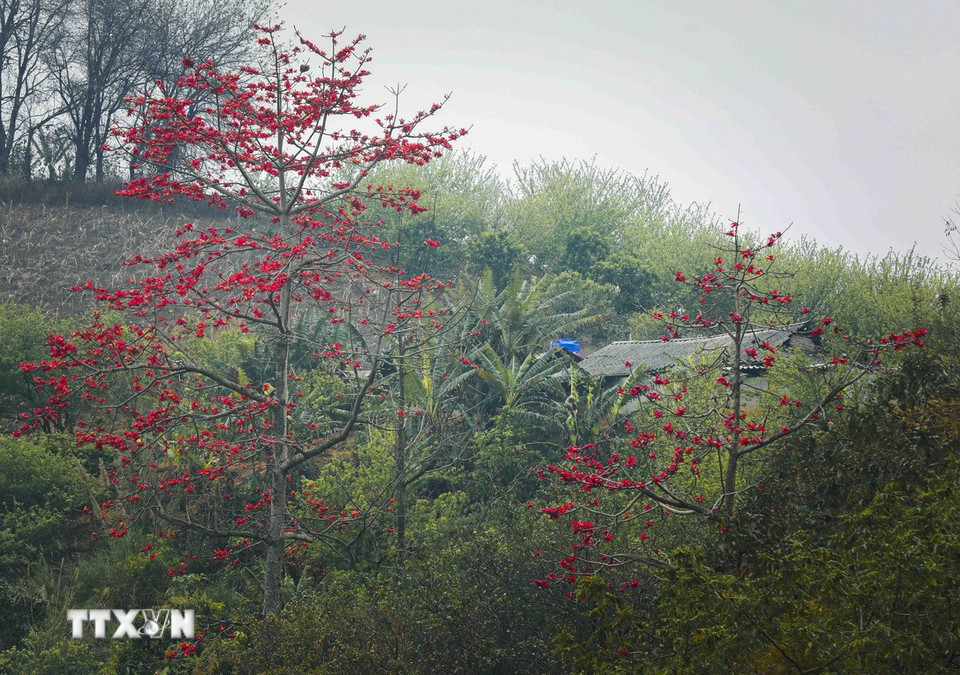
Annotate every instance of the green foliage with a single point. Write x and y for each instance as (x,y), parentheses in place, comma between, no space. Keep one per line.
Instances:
(348,483)
(871,295)
(585,248)
(523,387)
(37,472)
(41,654)
(440,262)
(525,316)
(897,429)
(504,455)
(553,199)
(463,194)
(119,573)
(632,277)
(574,292)
(354,478)
(465,199)
(880,595)
(844,558)
(324,403)
(500,253)
(41,495)
(463,604)
(23,334)
(40,508)
(612,629)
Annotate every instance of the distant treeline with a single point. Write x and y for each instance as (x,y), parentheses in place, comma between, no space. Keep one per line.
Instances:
(68,66)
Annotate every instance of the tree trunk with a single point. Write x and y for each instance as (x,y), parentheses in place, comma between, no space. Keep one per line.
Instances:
(733,448)
(273,563)
(4,152)
(400,458)
(27,166)
(82,162)
(100,172)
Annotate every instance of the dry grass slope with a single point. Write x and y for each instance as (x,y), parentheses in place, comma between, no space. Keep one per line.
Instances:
(54,236)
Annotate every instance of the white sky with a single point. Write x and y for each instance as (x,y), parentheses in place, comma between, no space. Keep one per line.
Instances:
(841,117)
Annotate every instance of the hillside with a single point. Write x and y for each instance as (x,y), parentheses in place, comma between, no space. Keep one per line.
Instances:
(54,236)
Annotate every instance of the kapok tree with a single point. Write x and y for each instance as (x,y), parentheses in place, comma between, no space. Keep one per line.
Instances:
(286,143)
(693,444)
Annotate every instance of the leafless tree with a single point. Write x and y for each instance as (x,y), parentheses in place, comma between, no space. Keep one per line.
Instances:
(28,31)
(116,47)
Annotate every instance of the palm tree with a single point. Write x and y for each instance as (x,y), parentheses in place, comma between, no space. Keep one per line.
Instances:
(524,316)
(517,366)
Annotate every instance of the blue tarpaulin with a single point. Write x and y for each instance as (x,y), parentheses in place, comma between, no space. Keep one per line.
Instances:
(571,346)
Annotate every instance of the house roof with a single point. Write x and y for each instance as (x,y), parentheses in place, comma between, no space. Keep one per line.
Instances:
(658,355)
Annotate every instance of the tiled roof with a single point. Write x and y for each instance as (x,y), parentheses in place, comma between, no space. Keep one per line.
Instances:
(657,355)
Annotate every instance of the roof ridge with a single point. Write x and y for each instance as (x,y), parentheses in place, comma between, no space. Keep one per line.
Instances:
(680,339)
(756,329)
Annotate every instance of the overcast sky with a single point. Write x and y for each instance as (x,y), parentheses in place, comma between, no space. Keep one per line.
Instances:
(842,118)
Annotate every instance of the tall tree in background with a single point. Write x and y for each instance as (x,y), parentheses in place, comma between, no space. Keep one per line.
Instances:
(29,29)
(204,446)
(96,67)
(115,47)
(554,200)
